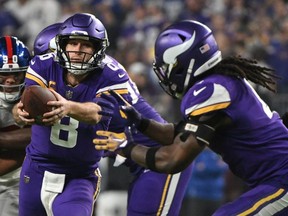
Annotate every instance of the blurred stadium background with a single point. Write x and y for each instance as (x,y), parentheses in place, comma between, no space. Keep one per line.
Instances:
(257,29)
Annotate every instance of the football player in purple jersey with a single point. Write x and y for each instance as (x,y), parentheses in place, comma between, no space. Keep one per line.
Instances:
(220,110)
(45,40)
(14,61)
(168,189)
(60,174)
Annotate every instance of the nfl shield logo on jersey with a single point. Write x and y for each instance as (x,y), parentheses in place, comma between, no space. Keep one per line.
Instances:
(68,94)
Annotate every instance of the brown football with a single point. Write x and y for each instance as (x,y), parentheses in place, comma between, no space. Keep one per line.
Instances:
(34,99)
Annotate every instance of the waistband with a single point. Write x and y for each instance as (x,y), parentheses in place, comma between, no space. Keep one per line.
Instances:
(70,173)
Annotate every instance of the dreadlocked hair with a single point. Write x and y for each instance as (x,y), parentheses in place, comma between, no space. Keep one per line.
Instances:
(248,69)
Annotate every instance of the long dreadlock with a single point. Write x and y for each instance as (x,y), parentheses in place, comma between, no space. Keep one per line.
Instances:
(248,69)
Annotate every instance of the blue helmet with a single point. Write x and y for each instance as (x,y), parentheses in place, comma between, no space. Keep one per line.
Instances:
(183,51)
(14,60)
(45,40)
(86,27)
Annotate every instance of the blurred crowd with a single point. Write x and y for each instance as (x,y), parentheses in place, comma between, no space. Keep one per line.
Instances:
(257,29)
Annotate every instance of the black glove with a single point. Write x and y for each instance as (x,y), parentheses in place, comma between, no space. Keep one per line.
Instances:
(134,118)
(107,103)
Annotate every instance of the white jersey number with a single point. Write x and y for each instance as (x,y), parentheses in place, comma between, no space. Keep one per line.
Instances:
(265,107)
(71,131)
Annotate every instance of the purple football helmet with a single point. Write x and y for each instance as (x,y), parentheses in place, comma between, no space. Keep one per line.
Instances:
(45,40)
(183,51)
(82,26)
(14,61)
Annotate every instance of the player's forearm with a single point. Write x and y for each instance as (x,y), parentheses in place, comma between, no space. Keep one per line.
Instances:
(162,133)
(171,159)
(17,139)
(85,112)
(10,160)
(163,160)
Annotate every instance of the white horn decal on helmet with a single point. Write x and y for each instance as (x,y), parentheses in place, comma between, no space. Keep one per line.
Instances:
(171,54)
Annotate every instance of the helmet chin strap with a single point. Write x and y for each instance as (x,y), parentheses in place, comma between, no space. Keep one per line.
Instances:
(189,73)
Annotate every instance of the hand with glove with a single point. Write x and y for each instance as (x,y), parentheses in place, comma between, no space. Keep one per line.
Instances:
(107,104)
(134,118)
(121,143)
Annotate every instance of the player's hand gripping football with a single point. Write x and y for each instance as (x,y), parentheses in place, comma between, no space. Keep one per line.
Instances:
(114,141)
(62,107)
(21,117)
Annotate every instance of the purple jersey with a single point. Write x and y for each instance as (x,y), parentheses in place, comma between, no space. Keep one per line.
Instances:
(67,146)
(255,145)
(168,190)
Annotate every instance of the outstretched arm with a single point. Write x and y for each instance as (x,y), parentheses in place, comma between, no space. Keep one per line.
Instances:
(88,112)
(187,144)
(191,138)
(162,133)
(168,159)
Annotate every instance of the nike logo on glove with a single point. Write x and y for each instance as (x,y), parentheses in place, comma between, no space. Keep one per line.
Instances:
(196,92)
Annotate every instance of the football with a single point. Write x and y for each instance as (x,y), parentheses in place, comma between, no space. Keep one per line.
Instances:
(34,99)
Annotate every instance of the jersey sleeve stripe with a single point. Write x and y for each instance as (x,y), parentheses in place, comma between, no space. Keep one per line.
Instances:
(116,87)
(35,79)
(119,91)
(209,108)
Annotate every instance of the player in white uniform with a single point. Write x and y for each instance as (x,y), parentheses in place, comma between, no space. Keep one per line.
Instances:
(14,60)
